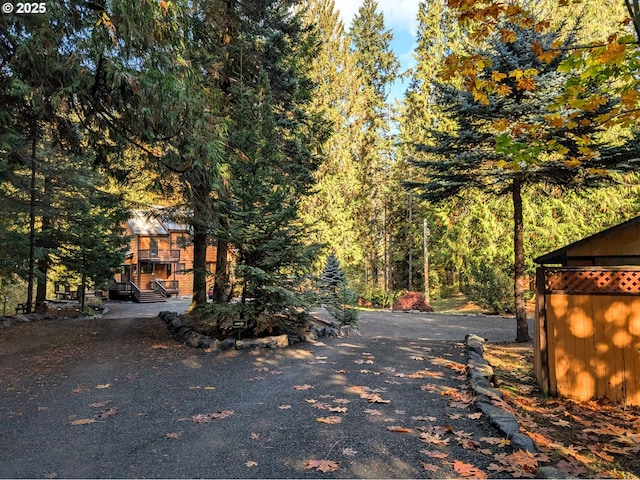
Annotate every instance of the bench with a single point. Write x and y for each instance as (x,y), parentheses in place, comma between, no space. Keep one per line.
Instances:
(21,308)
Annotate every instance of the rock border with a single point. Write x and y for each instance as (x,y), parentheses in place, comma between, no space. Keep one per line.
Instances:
(190,337)
(483,379)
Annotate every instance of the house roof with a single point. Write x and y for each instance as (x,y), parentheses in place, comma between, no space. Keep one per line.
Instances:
(561,255)
(150,222)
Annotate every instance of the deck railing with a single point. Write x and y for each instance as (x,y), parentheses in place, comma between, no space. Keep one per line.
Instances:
(159,254)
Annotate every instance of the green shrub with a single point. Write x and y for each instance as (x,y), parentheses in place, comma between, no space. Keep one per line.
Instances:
(491,288)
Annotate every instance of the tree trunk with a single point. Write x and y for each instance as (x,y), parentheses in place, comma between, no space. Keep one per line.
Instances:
(32,224)
(221,282)
(522,326)
(45,242)
(199,266)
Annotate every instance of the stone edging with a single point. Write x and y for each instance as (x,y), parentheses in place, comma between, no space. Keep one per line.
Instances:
(489,398)
(192,338)
(488,401)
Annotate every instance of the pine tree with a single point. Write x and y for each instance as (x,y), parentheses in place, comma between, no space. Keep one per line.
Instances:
(510,132)
(372,145)
(332,276)
(336,295)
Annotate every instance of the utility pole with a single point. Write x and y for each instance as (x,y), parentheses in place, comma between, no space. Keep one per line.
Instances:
(426,261)
(410,243)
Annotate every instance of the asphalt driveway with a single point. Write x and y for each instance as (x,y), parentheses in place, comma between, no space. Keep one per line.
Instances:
(117,397)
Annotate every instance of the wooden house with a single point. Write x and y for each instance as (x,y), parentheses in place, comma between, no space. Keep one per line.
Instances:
(159,262)
(587,328)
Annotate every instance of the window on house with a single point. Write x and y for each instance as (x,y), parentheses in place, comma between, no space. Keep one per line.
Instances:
(182,268)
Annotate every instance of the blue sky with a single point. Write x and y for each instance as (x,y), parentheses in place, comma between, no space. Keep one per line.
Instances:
(400,18)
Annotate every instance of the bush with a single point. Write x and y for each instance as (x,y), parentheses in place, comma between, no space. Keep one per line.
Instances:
(412,301)
(491,288)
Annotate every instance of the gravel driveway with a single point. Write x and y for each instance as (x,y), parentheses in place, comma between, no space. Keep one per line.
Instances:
(117,397)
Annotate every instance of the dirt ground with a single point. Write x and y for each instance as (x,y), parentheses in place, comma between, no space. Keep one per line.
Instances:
(589,440)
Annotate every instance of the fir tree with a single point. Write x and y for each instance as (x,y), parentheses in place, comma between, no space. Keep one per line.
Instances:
(336,295)
(332,276)
(510,132)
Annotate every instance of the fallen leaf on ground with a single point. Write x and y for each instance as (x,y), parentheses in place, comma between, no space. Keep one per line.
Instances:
(284,407)
(254,436)
(503,442)
(107,413)
(349,452)
(434,453)
(160,347)
(84,421)
(106,385)
(429,467)
(342,400)
(302,387)
(99,404)
(251,463)
(474,416)
(338,409)
(468,471)
(207,417)
(424,419)
(562,423)
(330,420)
(399,429)
(434,439)
(570,468)
(173,435)
(372,411)
(323,465)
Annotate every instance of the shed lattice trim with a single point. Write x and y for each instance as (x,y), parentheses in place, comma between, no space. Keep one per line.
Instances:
(619,282)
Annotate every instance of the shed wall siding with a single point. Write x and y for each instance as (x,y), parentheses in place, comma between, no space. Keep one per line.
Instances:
(624,242)
(594,346)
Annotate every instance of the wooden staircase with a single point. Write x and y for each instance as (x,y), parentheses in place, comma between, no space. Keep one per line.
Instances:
(150,296)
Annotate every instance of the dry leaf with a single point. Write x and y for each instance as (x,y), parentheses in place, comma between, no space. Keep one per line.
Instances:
(84,421)
(434,439)
(99,404)
(503,442)
(434,453)
(103,386)
(424,419)
(330,420)
(349,452)
(254,436)
(107,413)
(474,416)
(173,435)
(160,347)
(372,411)
(323,465)
(338,409)
(429,467)
(207,417)
(284,407)
(251,463)
(302,387)
(467,470)
(399,429)
(342,400)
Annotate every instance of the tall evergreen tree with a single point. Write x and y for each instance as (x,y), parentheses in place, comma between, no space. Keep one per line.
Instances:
(372,148)
(510,135)
(332,207)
